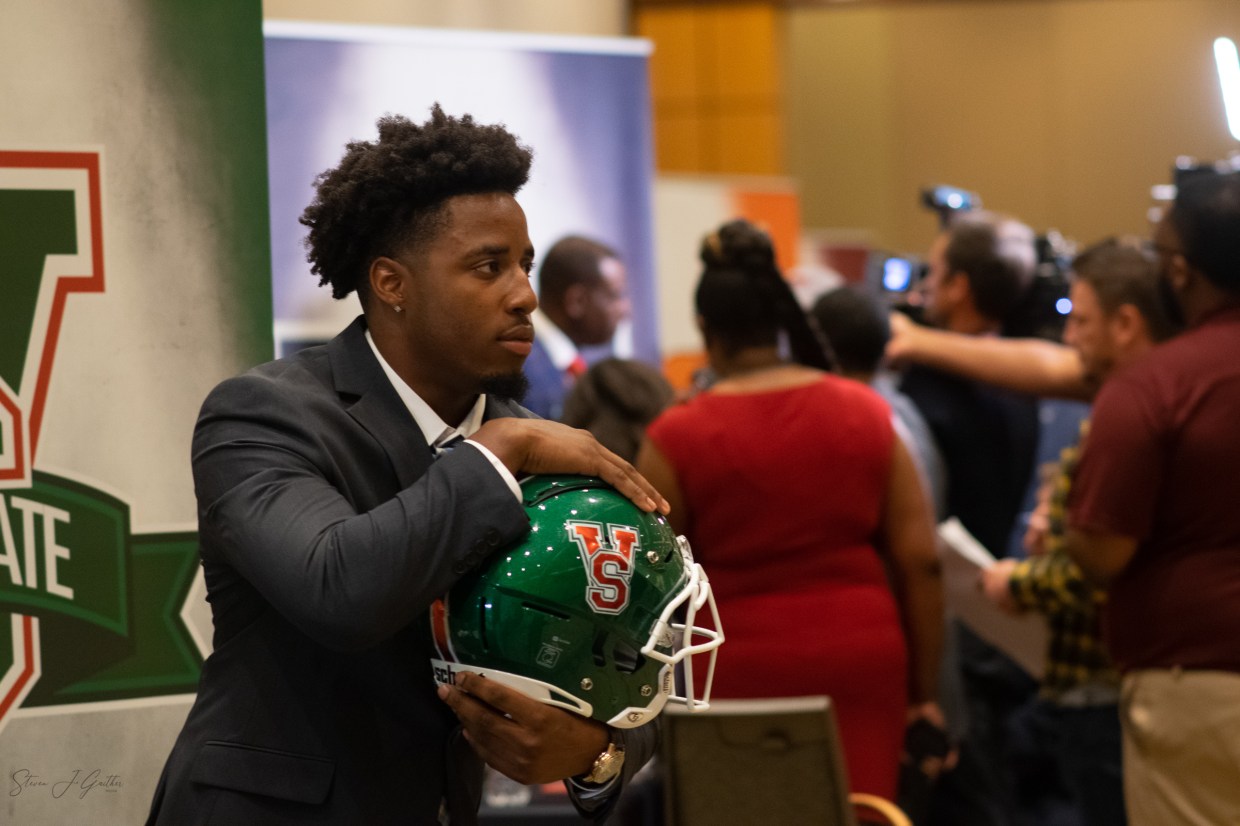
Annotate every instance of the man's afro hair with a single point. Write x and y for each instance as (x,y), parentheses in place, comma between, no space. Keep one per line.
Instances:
(387,194)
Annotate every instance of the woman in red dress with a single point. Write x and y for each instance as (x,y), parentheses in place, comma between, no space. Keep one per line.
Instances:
(807,512)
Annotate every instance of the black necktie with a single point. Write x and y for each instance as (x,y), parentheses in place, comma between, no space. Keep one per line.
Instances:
(448,446)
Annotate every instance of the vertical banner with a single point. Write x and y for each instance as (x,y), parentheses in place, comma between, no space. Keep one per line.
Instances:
(134,275)
(581,103)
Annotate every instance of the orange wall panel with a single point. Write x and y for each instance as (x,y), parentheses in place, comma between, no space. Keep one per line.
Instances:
(741,50)
(750,140)
(716,83)
(675,73)
(678,142)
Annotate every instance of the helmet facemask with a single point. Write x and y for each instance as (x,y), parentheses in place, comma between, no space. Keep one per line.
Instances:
(677,628)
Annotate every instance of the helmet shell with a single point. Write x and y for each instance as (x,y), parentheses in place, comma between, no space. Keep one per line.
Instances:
(573,603)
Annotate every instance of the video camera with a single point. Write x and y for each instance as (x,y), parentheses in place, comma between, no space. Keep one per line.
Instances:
(947,200)
(1045,306)
(1187,168)
(1184,169)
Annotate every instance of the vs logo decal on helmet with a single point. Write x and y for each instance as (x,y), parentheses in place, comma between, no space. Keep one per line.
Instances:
(609,568)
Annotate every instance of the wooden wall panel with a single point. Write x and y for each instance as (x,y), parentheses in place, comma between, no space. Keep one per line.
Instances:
(717,87)
(1064,113)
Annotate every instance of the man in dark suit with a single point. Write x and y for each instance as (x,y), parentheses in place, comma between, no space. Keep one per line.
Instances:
(330,517)
(582,297)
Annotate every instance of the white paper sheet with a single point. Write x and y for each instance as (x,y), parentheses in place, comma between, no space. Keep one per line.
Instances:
(1024,638)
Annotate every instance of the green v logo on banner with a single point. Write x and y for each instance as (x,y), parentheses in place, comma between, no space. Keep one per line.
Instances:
(95,609)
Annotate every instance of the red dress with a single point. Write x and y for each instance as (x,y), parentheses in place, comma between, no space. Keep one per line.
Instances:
(783,492)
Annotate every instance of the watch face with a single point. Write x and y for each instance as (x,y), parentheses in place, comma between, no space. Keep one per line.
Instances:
(607,765)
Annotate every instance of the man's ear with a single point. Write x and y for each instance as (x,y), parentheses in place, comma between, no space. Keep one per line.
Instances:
(958,287)
(1127,325)
(387,279)
(1179,273)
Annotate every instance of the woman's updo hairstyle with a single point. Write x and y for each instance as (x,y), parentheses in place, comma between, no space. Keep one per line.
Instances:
(744,301)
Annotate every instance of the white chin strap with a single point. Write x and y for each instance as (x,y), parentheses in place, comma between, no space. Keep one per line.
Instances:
(445,672)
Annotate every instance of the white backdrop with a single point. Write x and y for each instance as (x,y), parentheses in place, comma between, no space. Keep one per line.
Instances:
(581,103)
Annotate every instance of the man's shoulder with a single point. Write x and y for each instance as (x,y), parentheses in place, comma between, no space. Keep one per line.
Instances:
(1203,348)
(919,381)
(1170,368)
(303,375)
(939,396)
(294,368)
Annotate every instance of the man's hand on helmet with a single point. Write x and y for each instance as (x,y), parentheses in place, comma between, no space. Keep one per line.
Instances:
(540,446)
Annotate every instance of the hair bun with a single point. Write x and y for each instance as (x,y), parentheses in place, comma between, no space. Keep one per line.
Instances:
(738,244)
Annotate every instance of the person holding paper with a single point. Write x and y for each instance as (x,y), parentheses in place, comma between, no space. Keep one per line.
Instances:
(1118,315)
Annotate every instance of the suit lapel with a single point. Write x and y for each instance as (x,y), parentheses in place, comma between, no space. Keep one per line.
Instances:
(373,403)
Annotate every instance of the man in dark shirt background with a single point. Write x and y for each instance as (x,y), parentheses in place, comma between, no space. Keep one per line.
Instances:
(1152,515)
(979,268)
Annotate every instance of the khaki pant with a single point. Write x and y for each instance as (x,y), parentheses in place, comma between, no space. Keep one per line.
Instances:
(1181,747)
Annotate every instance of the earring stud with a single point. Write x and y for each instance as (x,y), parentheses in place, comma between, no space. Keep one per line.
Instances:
(398,308)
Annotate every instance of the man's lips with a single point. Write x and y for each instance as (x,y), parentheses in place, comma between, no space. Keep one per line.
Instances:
(519,341)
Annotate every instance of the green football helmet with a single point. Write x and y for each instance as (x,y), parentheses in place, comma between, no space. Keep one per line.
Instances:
(591,611)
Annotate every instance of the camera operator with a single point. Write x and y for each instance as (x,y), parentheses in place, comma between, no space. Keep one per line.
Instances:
(979,267)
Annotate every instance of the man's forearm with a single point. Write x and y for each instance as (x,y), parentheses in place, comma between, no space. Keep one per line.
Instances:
(1025,365)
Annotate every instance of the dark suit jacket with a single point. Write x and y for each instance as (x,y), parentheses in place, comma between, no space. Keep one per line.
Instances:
(326,532)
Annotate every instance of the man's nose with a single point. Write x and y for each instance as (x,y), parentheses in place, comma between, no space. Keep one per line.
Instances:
(523,298)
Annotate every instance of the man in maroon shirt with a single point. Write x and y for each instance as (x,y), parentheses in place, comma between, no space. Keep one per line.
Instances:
(1154,513)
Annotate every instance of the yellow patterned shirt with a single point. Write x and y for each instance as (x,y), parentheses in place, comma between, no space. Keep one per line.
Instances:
(1055,586)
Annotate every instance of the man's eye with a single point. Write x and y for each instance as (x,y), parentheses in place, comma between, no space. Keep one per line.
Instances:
(528,266)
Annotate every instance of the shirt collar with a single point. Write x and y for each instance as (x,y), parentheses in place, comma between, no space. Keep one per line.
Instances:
(560,348)
(434,429)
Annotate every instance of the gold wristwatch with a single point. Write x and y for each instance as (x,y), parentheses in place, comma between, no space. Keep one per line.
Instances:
(606,766)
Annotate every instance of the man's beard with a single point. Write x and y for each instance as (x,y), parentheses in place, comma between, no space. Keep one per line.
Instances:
(506,386)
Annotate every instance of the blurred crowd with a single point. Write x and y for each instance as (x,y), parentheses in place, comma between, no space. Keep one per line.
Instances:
(826,437)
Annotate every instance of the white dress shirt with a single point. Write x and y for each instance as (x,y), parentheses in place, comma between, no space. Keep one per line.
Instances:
(436,431)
